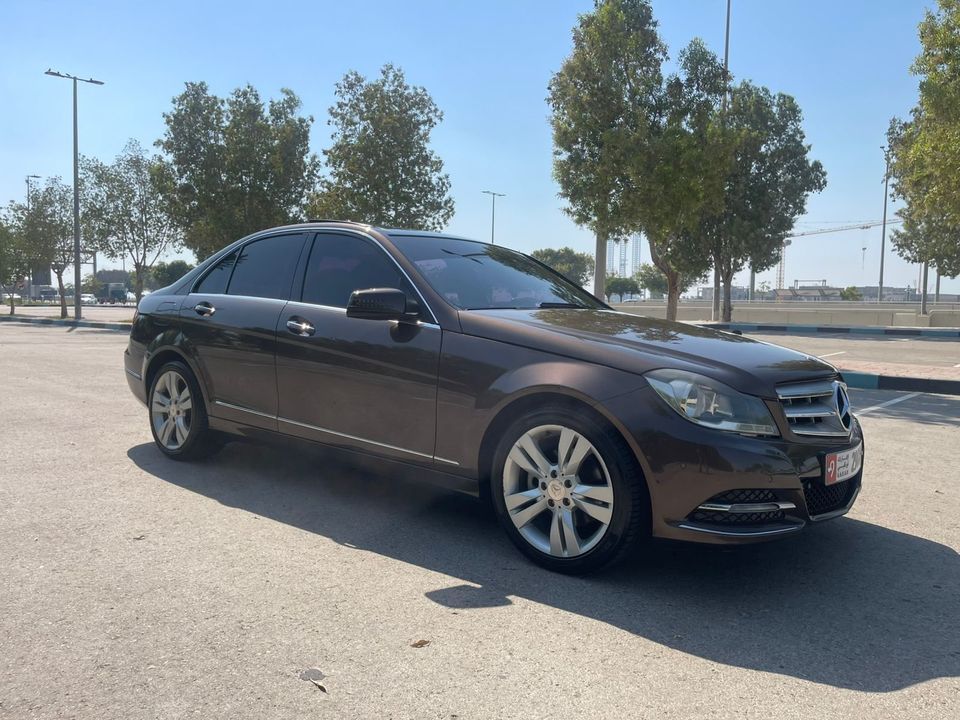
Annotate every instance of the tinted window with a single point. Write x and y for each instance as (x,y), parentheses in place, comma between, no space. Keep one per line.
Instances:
(474,276)
(215,282)
(340,264)
(265,268)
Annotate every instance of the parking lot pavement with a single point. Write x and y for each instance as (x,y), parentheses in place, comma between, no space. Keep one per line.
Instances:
(99,313)
(137,587)
(846,349)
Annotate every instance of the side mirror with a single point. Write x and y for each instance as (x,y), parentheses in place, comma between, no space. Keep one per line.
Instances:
(382,304)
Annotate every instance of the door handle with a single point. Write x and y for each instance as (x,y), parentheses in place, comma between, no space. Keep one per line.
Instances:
(299,326)
(205,309)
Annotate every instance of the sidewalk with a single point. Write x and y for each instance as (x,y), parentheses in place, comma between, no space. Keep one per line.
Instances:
(901,376)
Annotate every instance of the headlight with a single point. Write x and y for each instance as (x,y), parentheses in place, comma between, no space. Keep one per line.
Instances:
(712,404)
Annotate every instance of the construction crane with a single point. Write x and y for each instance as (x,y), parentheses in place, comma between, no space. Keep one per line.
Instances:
(781,269)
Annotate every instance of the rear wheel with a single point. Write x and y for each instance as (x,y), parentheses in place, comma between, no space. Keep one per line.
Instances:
(178,417)
(568,491)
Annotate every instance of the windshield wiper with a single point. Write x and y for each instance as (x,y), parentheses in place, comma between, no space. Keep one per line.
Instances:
(561,305)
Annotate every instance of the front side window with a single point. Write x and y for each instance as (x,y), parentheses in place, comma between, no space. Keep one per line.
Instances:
(340,264)
(265,267)
(215,282)
(476,276)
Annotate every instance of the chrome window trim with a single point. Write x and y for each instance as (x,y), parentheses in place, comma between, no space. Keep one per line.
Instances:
(343,311)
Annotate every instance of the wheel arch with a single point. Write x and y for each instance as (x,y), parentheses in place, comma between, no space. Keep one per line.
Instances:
(537,398)
(161,357)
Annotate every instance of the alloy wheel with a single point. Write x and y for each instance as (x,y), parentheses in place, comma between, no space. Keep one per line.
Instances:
(557,491)
(171,410)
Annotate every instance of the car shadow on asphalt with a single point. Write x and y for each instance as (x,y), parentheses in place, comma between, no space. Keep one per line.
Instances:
(848,604)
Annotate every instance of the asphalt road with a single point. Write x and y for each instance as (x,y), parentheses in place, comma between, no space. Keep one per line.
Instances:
(136,587)
(842,347)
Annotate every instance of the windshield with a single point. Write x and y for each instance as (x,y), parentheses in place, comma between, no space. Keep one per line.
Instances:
(476,276)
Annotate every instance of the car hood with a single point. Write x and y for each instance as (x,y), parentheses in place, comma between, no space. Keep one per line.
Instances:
(637,344)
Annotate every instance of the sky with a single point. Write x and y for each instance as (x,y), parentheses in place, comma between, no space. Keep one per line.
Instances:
(487,66)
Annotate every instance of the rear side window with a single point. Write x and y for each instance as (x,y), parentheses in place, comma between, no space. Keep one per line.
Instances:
(340,264)
(265,267)
(215,283)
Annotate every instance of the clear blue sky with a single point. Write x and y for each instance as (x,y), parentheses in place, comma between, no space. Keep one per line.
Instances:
(487,66)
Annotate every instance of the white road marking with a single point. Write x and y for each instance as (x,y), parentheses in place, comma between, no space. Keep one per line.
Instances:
(842,352)
(957,365)
(888,403)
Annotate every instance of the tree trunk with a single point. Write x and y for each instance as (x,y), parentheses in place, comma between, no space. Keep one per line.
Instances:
(753,283)
(715,311)
(63,295)
(936,289)
(673,295)
(138,283)
(600,268)
(12,304)
(727,277)
(923,290)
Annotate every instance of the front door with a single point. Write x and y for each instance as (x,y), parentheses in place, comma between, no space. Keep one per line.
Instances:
(230,324)
(364,384)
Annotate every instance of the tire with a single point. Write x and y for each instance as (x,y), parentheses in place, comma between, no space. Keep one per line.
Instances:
(580,515)
(181,432)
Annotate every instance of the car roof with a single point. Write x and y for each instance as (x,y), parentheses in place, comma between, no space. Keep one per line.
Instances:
(396,232)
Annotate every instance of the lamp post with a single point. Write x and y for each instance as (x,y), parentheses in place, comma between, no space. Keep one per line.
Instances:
(493,211)
(715,309)
(77,311)
(883,232)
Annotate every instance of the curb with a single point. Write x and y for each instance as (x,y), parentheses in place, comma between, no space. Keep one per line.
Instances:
(125,327)
(868,381)
(952,333)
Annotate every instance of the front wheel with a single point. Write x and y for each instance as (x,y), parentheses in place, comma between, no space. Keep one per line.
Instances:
(568,491)
(178,417)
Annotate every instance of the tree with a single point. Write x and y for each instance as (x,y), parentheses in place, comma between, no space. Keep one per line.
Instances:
(678,170)
(651,279)
(621,286)
(575,266)
(126,210)
(164,274)
(602,100)
(46,230)
(234,165)
(851,293)
(766,183)
(924,152)
(14,261)
(91,284)
(381,168)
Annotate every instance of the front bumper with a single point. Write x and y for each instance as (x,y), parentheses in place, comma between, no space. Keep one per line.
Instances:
(709,486)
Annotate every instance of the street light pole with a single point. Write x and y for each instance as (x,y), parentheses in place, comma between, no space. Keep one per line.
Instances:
(715,310)
(883,232)
(77,307)
(493,211)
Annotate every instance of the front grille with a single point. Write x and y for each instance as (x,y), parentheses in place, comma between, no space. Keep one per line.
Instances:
(739,497)
(822,498)
(819,408)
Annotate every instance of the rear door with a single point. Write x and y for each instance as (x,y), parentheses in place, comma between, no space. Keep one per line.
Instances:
(365,384)
(230,322)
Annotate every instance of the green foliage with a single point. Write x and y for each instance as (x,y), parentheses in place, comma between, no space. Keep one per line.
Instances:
(166,273)
(650,278)
(622,286)
(766,182)
(851,293)
(234,165)
(925,152)
(381,168)
(45,229)
(91,284)
(126,210)
(575,266)
(603,100)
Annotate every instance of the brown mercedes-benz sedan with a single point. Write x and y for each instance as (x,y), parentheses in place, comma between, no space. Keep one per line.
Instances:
(587,428)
